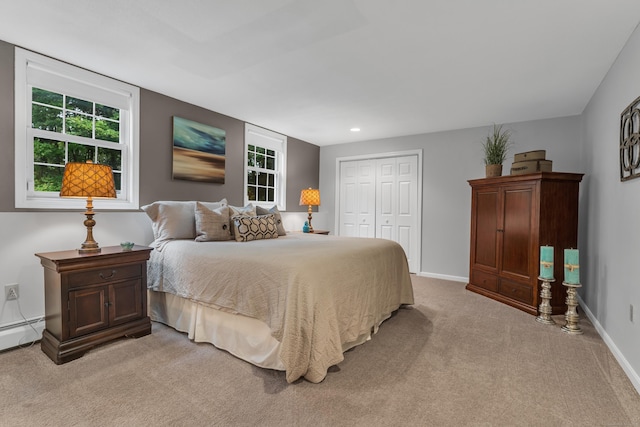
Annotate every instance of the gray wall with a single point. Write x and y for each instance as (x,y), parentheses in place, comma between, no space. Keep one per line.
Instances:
(449,160)
(156,124)
(609,224)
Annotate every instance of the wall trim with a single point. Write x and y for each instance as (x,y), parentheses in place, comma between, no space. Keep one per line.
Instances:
(624,363)
(20,334)
(443,277)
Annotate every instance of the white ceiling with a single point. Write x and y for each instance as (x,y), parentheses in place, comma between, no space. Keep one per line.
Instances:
(313,69)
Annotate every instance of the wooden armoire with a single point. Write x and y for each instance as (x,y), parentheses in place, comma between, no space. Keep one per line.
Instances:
(511,217)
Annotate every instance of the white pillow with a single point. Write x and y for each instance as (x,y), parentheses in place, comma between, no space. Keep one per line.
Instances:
(175,219)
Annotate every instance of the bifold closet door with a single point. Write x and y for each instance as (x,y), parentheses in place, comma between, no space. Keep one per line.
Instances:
(397,203)
(358,198)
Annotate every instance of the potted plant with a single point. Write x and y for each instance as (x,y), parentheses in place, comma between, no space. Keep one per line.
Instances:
(495,148)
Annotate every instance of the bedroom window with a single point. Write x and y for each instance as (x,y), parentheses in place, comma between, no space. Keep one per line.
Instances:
(265,166)
(67,114)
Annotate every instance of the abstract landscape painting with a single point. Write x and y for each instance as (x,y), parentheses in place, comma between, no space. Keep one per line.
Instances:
(198,151)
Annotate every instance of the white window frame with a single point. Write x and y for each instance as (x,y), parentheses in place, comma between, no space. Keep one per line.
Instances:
(254,135)
(32,69)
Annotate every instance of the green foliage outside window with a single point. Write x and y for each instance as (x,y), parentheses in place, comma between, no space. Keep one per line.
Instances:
(67,115)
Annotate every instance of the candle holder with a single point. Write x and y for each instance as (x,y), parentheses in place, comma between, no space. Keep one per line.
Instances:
(545,309)
(571,316)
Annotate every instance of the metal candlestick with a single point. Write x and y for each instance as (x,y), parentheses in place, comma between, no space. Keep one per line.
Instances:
(545,303)
(571,316)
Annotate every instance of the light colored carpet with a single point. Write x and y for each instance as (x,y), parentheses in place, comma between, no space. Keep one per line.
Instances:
(453,359)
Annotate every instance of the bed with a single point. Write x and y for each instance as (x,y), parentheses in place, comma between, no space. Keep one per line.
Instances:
(294,302)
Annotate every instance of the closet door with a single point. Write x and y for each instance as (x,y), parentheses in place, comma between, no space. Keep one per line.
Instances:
(397,204)
(357,198)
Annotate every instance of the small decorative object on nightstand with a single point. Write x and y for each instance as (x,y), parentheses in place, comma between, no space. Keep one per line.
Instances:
(93,298)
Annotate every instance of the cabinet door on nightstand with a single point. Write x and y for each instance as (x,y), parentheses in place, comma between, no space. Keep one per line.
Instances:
(88,310)
(125,301)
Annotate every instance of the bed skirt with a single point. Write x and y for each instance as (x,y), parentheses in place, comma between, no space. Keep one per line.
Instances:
(245,337)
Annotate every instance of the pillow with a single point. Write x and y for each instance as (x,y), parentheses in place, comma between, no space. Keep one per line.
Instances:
(248,210)
(212,224)
(248,228)
(175,220)
(276,216)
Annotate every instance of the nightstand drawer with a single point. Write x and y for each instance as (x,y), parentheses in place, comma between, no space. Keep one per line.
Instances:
(104,275)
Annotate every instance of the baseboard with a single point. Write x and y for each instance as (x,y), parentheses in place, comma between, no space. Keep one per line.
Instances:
(443,277)
(20,333)
(626,367)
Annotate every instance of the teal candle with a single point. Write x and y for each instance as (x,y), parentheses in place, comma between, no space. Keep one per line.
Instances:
(571,266)
(546,262)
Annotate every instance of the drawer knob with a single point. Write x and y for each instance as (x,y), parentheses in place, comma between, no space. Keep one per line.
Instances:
(113,273)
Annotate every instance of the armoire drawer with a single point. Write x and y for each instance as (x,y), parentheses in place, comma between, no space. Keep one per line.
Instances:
(485,281)
(517,291)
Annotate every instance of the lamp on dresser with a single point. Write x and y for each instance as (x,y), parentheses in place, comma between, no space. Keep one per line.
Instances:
(310,197)
(90,180)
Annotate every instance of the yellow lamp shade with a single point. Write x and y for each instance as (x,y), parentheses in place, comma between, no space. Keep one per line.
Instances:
(88,180)
(310,197)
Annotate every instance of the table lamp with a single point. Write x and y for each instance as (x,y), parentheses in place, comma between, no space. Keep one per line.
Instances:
(310,197)
(90,180)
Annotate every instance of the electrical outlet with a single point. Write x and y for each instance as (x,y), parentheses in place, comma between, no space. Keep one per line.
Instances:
(11,291)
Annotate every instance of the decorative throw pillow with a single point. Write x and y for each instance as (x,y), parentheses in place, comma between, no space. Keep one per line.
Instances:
(276,216)
(175,219)
(248,228)
(212,224)
(248,210)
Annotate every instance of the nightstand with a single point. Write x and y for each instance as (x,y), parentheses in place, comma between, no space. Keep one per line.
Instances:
(325,232)
(91,299)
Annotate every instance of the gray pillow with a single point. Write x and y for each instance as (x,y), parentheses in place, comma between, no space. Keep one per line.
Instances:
(276,216)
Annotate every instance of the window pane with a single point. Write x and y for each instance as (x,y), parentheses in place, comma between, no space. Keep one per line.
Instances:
(46,118)
(271,153)
(48,151)
(47,178)
(78,124)
(117,177)
(46,97)
(262,194)
(110,157)
(80,153)
(108,112)
(251,177)
(80,105)
(260,150)
(252,148)
(272,180)
(262,179)
(259,161)
(271,163)
(270,195)
(251,193)
(251,159)
(107,130)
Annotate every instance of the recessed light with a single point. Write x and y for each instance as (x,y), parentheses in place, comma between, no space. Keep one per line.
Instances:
(355,129)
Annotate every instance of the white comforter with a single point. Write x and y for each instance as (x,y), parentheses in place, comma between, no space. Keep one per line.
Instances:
(314,292)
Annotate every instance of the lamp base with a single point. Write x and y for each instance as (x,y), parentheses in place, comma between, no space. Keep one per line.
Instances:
(84,250)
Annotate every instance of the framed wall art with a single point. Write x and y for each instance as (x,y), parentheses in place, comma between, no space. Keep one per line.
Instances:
(198,151)
(630,141)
